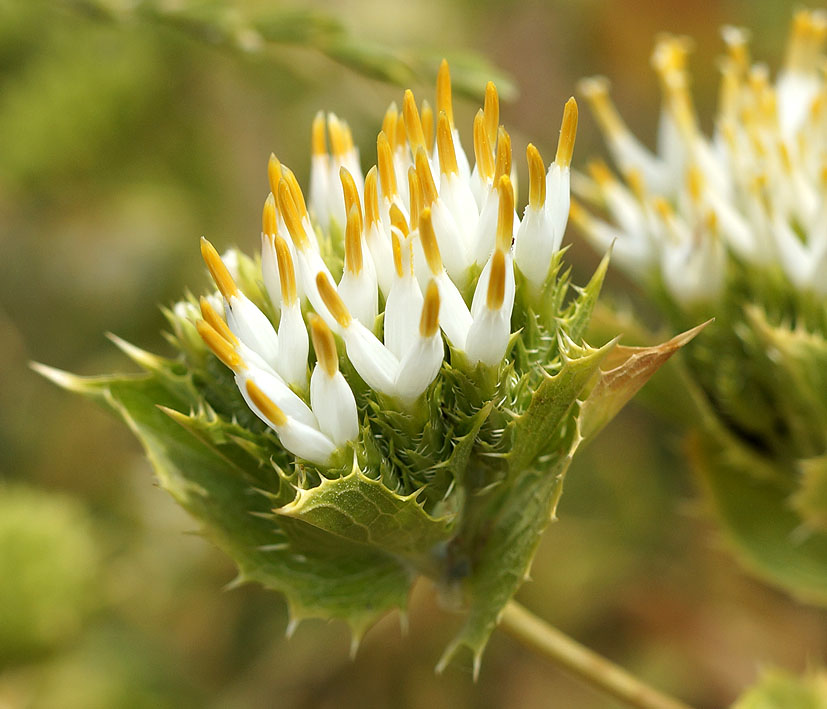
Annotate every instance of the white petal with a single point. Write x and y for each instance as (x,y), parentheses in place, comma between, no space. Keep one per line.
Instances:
(270,270)
(454,316)
(334,406)
(419,367)
(402,312)
(374,362)
(293,346)
(253,328)
(278,392)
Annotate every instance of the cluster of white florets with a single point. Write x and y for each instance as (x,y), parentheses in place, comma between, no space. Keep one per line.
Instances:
(756,191)
(422,231)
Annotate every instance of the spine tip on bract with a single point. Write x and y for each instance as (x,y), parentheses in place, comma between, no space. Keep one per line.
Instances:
(496,281)
(223,280)
(568,132)
(287,271)
(429,320)
(536,177)
(265,404)
(324,345)
(220,347)
(333,300)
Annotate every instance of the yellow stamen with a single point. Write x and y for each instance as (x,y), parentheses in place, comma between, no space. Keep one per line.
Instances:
(505,216)
(483,153)
(318,141)
(268,215)
(219,346)
(351,193)
(290,214)
(491,109)
(429,244)
(398,220)
(223,280)
(444,103)
(579,215)
(429,320)
(536,177)
(296,192)
(414,195)
(445,146)
(338,137)
(389,122)
(496,281)
(634,179)
(695,183)
(503,166)
(353,241)
(384,158)
(737,42)
(401,136)
(413,125)
(332,300)
(397,254)
(265,404)
(371,197)
(324,345)
(274,174)
(600,173)
(663,208)
(427,122)
(216,321)
(568,131)
(596,91)
(287,272)
(426,179)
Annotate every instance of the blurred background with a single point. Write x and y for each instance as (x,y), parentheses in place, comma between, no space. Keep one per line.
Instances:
(128,130)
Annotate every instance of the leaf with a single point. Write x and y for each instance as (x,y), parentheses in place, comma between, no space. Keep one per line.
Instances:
(778,689)
(811,498)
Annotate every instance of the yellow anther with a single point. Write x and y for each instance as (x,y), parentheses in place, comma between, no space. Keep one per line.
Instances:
(503,165)
(268,216)
(400,138)
(427,114)
(413,124)
(445,146)
(223,280)
(663,208)
(216,321)
(389,123)
(536,177)
(353,241)
(695,183)
(426,179)
(491,109)
(265,404)
(429,244)
(296,192)
(371,197)
(398,220)
(429,320)
(351,193)
(338,136)
(384,158)
(505,215)
(600,172)
(397,254)
(287,271)
(634,178)
(496,281)
(596,91)
(568,132)
(332,300)
(414,195)
(274,174)
(290,214)
(318,141)
(483,153)
(220,347)
(324,345)
(444,102)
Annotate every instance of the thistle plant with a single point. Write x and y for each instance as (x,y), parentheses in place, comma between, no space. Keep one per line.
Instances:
(396,387)
(734,226)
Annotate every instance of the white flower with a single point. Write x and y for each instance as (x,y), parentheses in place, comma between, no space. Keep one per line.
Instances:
(419,229)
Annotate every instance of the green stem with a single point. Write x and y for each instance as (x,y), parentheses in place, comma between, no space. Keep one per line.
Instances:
(581,662)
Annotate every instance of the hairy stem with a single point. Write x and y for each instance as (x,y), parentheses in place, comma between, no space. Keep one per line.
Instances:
(579,661)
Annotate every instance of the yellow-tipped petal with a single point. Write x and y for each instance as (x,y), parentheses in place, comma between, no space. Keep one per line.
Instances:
(491,109)
(634,178)
(287,271)
(332,300)
(695,183)
(483,153)
(429,320)
(413,124)
(663,208)
(444,102)
(503,166)
(318,141)
(445,145)
(219,346)
(265,404)
(568,132)
(414,195)
(427,114)
(398,220)
(596,91)
(223,280)
(353,241)
(505,215)
(397,254)
(426,179)
(371,197)
(536,177)
(268,216)
(215,321)
(429,243)
(291,217)
(496,281)
(600,173)
(389,123)
(324,345)
(274,174)
(296,192)
(579,215)
(384,158)
(399,140)
(351,193)
(338,136)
